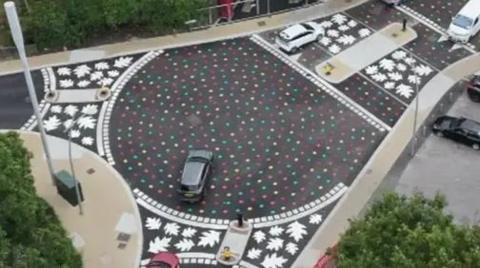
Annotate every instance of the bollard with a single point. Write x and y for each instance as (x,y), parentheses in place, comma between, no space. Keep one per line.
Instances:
(240,219)
(404,25)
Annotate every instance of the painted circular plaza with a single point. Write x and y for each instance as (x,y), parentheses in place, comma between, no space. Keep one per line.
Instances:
(279,142)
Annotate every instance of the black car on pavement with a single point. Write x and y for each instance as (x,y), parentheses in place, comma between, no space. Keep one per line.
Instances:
(196,171)
(473,88)
(460,129)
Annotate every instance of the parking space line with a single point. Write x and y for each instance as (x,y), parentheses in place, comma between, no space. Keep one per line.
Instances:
(432,25)
(322,84)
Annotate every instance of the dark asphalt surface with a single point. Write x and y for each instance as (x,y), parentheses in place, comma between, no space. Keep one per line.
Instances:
(15,106)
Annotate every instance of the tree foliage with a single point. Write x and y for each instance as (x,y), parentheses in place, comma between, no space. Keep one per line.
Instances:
(409,232)
(30,232)
(71,23)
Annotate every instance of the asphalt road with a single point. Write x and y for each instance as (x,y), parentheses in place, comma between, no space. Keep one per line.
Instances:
(444,166)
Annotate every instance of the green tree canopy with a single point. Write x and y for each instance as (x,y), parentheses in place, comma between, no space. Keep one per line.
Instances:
(30,232)
(408,232)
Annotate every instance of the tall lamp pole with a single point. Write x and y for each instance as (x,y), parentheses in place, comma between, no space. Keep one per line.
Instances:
(72,169)
(17,36)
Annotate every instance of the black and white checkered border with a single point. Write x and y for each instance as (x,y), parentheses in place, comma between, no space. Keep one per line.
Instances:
(221,224)
(103,124)
(203,259)
(49,83)
(326,87)
(432,25)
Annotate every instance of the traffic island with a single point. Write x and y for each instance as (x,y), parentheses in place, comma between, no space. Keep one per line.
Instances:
(234,242)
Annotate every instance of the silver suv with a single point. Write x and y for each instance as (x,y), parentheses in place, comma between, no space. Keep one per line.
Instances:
(196,171)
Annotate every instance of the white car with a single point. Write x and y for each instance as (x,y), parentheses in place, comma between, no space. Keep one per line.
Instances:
(466,23)
(298,35)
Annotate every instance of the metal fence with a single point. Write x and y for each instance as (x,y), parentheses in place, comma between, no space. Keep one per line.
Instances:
(245,9)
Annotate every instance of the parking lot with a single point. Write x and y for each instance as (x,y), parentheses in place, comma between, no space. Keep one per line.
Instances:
(444,166)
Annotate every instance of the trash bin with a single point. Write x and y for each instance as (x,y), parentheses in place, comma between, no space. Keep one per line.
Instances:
(66,187)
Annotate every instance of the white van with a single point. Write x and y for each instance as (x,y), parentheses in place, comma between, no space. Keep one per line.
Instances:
(466,23)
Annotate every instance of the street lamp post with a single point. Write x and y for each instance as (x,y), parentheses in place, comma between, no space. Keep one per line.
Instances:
(72,169)
(415,116)
(17,36)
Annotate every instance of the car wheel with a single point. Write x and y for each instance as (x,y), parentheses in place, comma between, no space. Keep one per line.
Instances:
(438,133)
(475,146)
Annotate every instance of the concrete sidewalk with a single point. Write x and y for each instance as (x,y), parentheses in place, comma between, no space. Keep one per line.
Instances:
(227,31)
(109,207)
(373,173)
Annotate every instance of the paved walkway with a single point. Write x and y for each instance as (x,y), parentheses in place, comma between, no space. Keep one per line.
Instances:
(109,207)
(184,39)
(382,161)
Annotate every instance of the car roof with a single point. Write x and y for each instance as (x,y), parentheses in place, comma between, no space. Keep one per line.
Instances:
(292,31)
(471,9)
(471,125)
(192,171)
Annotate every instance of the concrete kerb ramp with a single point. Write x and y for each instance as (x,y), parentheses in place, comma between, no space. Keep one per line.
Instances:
(369,50)
(109,233)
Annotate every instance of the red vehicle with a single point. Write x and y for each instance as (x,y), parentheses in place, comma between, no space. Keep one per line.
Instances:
(473,88)
(164,260)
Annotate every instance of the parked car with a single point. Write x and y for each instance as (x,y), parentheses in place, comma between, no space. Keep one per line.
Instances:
(473,88)
(466,23)
(298,35)
(164,260)
(460,129)
(394,2)
(196,171)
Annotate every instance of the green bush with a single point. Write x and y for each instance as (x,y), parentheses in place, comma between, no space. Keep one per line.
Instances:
(72,23)
(30,232)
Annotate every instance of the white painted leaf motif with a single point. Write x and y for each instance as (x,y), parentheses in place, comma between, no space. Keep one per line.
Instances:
(273,261)
(364,32)
(399,54)
(64,71)
(103,65)
(153,223)
(189,232)
(315,219)
(82,70)
(410,61)
(68,123)
(326,24)
(339,19)
(171,228)
(343,28)
(158,244)
(90,109)
(423,70)
(123,62)
(56,109)
(291,248)
(83,83)
(209,238)
(51,123)
(370,70)
(87,140)
(401,67)
(296,231)
(86,122)
(395,76)
(334,49)
(379,77)
(259,236)
(352,23)
(414,79)
(387,64)
(254,253)
(325,41)
(75,133)
(71,110)
(113,73)
(184,245)
(346,39)
(389,85)
(276,230)
(66,83)
(96,75)
(333,33)
(105,81)
(404,90)
(275,244)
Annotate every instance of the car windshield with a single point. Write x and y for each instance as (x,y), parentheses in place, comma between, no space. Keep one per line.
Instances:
(192,173)
(308,27)
(462,22)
